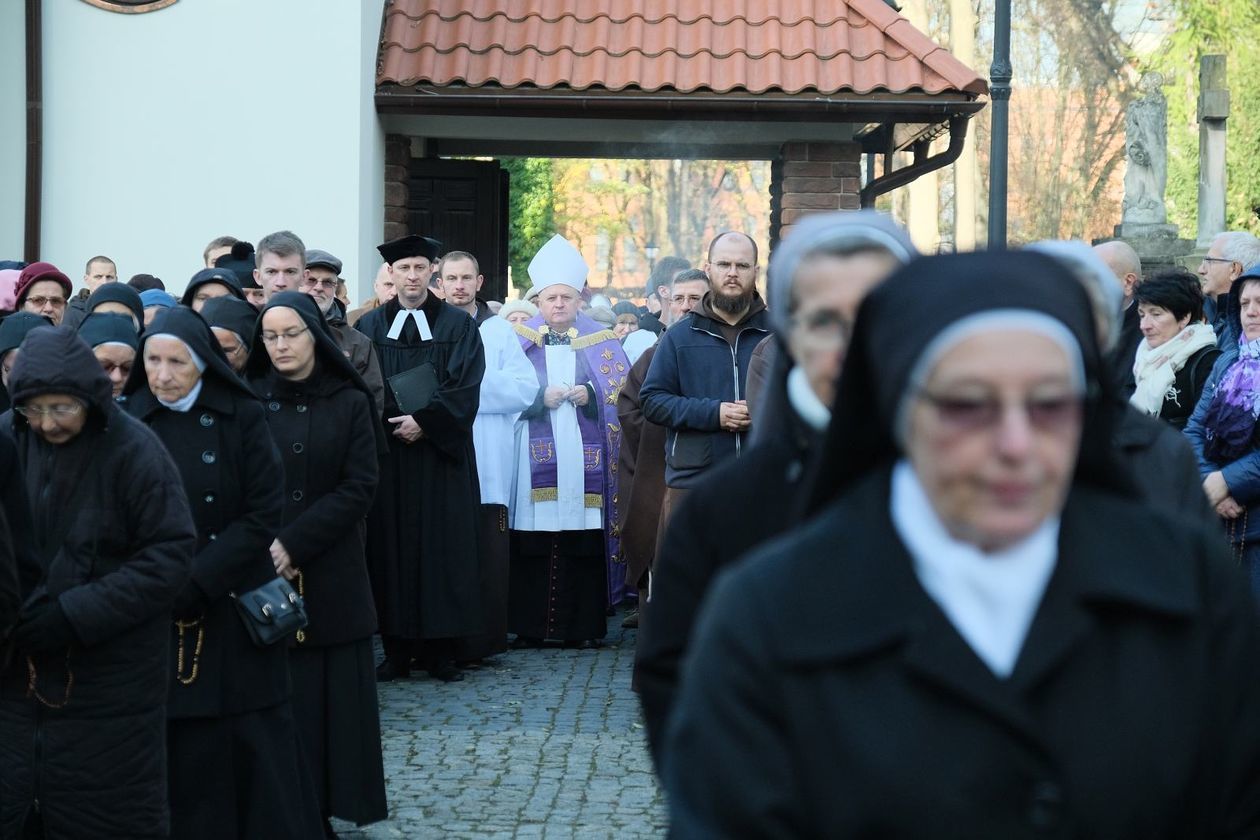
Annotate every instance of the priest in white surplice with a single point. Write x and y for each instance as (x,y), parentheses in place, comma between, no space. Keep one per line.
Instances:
(566,568)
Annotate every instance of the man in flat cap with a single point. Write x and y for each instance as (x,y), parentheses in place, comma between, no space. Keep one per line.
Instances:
(422,532)
(323,273)
(566,566)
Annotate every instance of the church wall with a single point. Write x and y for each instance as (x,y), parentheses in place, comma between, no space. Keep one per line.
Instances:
(164,130)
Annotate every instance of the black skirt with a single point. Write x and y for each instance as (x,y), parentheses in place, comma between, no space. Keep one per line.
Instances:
(334,701)
(240,775)
(558,585)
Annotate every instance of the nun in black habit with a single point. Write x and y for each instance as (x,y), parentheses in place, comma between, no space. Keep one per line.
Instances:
(236,766)
(980,634)
(83,694)
(422,532)
(323,419)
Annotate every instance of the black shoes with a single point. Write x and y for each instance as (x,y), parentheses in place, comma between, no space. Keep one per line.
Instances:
(391,669)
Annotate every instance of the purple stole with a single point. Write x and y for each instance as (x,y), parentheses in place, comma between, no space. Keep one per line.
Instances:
(604,364)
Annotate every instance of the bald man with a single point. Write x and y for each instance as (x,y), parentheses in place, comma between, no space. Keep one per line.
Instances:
(1127,267)
(383,292)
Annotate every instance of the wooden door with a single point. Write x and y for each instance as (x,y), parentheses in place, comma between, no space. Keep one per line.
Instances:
(464,204)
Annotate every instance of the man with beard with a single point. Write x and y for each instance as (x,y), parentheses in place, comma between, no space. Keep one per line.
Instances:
(422,545)
(819,276)
(323,271)
(695,387)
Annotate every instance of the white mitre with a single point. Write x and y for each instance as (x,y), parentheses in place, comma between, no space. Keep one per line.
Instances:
(558,263)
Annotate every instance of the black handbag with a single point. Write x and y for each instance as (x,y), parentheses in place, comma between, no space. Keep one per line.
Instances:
(272,612)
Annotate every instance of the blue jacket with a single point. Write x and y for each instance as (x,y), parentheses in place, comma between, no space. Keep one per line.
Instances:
(694,371)
(1243,474)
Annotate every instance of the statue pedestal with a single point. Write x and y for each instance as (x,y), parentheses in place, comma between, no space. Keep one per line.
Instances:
(1158,246)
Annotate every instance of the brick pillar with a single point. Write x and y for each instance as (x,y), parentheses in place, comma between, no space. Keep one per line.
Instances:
(397,164)
(815,177)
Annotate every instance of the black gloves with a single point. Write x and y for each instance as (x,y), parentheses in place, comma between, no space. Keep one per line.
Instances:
(190,603)
(44,628)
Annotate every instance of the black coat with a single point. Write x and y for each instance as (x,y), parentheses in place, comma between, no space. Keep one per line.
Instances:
(19,569)
(115,565)
(740,505)
(828,696)
(1163,465)
(325,431)
(232,474)
(422,544)
(1188,387)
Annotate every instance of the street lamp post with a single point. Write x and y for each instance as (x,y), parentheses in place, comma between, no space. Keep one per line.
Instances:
(1000,73)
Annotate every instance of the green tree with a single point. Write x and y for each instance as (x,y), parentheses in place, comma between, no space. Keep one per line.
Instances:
(1206,27)
(531,212)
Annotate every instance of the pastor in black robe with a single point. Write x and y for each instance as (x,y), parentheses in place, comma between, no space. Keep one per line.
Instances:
(422,531)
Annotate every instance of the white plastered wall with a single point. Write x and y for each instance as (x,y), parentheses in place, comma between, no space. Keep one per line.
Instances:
(242,117)
(13,135)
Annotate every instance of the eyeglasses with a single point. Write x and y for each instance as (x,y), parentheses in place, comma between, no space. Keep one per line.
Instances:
(40,301)
(1217,259)
(232,351)
(323,283)
(291,335)
(725,267)
(110,367)
(963,413)
(60,412)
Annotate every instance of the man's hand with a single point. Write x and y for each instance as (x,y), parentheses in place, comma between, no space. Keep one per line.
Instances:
(555,396)
(282,561)
(733,416)
(406,428)
(1216,488)
(1229,509)
(579,396)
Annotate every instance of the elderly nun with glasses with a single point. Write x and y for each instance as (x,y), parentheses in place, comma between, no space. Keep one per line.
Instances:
(235,764)
(980,633)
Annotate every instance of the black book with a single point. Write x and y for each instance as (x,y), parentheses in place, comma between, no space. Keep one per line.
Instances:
(413,389)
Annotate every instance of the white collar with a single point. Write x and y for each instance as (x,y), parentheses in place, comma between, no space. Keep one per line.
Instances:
(802,397)
(186,402)
(989,598)
(417,315)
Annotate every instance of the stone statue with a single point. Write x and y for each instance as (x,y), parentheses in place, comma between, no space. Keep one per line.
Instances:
(1146,144)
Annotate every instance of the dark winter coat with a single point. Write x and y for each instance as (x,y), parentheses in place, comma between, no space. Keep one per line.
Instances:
(19,568)
(735,508)
(1120,359)
(358,349)
(826,695)
(694,371)
(325,429)
(1163,466)
(641,475)
(234,480)
(114,562)
(1187,387)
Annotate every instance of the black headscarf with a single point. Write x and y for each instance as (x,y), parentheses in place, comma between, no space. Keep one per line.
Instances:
(333,371)
(233,314)
(225,277)
(192,329)
(13,329)
(118,293)
(108,327)
(899,320)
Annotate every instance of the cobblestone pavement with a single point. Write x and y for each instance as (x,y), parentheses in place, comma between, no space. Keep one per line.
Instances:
(534,744)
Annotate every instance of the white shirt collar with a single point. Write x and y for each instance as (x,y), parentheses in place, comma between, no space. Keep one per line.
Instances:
(422,324)
(989,598)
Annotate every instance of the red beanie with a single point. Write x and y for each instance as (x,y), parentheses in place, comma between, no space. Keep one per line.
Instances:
(37,271)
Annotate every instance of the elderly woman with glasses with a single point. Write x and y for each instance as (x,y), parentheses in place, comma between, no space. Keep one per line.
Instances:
(83,685)
(235,763)
(981,633)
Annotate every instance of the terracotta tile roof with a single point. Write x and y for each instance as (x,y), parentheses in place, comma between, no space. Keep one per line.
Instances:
(790,46)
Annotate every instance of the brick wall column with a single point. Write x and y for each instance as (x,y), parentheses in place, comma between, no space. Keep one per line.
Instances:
(814,177)
(397,164)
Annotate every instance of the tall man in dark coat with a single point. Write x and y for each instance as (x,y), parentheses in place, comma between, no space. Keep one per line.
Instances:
(422,545)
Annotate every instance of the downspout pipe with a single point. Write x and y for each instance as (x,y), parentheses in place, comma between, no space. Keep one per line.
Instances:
(922,165)
(34,128)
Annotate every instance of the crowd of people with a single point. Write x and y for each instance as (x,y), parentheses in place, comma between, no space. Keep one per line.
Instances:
(917,545)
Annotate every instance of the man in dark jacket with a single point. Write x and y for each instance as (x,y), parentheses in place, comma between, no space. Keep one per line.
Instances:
(82,705)
(818,277)
(695,386)
(319,280)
